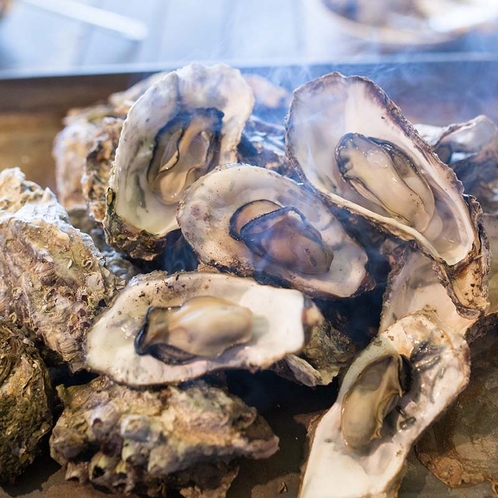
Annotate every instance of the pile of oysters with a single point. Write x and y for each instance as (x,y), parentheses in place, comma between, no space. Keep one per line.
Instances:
(190,237)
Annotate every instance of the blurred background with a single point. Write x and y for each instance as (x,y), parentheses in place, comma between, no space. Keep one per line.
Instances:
(73,36)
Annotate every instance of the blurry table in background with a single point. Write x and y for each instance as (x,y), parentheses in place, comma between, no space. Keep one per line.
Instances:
(34,40)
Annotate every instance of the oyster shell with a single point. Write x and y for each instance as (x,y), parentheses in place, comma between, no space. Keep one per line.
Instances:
(281,321)
(368,459)
(350,142)
(70,150)
(25,402)
(199,115)
(459,448)
(252,221)
(153,441)
(97,167)
(52,277)
(471,150)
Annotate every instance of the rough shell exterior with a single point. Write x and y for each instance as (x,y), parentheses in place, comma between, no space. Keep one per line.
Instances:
(142,441)
(52,277)
(25,402)
(97,168)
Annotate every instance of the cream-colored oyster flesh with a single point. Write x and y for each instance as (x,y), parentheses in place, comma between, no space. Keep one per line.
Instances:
(198,116)
(251,221)
(280,321)
(53,280)
(353,144)
(370,462)
(152,442)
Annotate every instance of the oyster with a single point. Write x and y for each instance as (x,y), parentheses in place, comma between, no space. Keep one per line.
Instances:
(52,277)
(161,330)
(154,441)
(350,142)
(199,114)
(97,167)
(25,402)
(471,149)
(70,150)
(360,445)
(253,221)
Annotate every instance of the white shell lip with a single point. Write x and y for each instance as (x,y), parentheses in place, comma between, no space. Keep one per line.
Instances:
(205,213)
(327,108)
(332,465)
(193,87)
(279,312)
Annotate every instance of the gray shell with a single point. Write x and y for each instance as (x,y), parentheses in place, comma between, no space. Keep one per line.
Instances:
(52,277)
(26,399)
(152,441)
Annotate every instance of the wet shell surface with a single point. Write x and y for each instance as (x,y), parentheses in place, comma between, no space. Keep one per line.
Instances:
(350,142)
(360,450)
(279,323)
(184,125)
(251,221)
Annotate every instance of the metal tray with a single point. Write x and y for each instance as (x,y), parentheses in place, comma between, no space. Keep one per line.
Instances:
(430,89)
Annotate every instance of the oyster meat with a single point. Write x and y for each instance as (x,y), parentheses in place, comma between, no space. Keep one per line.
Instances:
(26,400)
(199,114)
(53,280)
(252,221)
(350,142)
(153,441)
(393,390)
(171,328)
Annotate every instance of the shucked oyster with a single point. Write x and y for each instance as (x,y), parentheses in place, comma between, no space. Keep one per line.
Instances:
(153,441)
(182,127)
(352,144)
(394,389)
(171,328)
(52,278)
(25,402)
(253,221)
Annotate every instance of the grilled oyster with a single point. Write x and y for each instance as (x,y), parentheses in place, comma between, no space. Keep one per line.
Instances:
(25,402)
(471,150)
(350,142)
(153,441)
(199,114)
(252,221)
(52,277)
(360,444)
(171,328)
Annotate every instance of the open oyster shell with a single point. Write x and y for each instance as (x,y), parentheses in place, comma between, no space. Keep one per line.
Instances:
(281,322)
(183,126)
(153,441)
(360,445)
(52,278)
(209,213)
(350,142)
(25,402)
